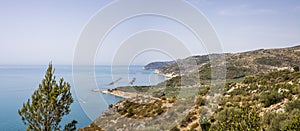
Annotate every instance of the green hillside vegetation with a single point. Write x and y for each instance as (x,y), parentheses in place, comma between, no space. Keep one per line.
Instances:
(270,105)
(238,65)
(138,111)
(266,101)
(262,92)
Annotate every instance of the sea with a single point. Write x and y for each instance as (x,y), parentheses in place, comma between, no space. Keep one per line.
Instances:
(18,82)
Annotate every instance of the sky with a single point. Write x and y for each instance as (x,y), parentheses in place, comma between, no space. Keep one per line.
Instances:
(35,32)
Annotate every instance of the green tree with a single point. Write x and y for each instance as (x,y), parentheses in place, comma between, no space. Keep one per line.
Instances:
(48,104)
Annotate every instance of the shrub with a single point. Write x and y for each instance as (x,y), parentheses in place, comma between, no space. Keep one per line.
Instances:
(270,98)
(238,119)
(292,105)
(272,121)
(249,80)
(296,68)
(272,61)
(203,91)
(294,125)
(288,121)
(205,124)
(234,72)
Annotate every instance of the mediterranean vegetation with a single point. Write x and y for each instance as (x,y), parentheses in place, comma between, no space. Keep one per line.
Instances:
(48,104)
(262,92)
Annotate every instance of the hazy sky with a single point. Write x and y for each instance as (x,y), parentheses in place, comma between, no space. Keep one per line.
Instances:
(37,31)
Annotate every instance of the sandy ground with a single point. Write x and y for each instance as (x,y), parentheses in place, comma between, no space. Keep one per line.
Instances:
(121,94)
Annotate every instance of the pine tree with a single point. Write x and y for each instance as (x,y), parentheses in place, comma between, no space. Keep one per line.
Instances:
(48,104)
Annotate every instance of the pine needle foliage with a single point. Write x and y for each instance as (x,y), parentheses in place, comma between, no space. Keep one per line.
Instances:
(48,104)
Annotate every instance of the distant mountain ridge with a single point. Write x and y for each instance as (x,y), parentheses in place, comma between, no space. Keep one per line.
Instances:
(238,64)
(157,65)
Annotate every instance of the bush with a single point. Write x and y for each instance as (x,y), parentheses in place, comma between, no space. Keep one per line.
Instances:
(270,98)
(272,61)
(237,119)
(203,91)
(296,68)
(249,80)
(234,72)
(205,124)
(292,105)
(273,121)
(294,125)
(288,121)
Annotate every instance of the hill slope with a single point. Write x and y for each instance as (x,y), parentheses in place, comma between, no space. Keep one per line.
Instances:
(262,92)
(245,63)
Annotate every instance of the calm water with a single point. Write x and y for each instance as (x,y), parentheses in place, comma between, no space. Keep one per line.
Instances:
(17,83)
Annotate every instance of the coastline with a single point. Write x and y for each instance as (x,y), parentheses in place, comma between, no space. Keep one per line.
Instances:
(122,94)
(125,95)
(167,76)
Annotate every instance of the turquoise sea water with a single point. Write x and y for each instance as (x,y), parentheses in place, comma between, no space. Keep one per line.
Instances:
(17,83)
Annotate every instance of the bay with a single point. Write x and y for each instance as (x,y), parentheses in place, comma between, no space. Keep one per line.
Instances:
(17,83)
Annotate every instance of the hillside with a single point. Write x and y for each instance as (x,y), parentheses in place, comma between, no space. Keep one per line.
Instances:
(241,64)
(262,92)
(157,65)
